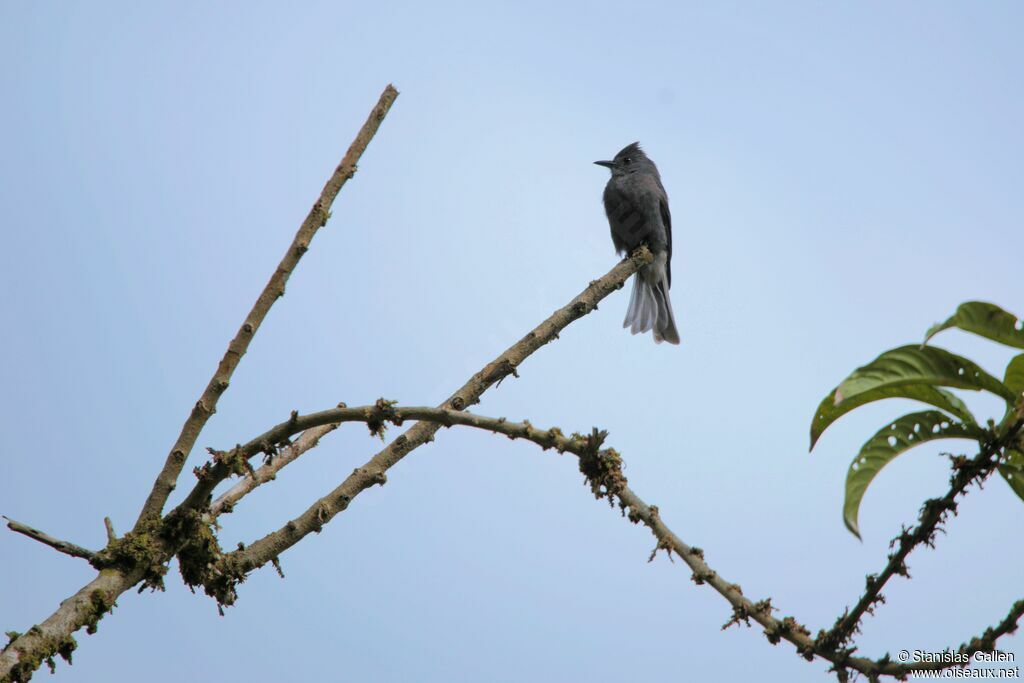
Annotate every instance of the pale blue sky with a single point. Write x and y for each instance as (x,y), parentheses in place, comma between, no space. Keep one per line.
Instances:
(841,176)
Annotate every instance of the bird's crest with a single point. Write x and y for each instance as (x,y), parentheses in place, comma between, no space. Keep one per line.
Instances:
(631,150)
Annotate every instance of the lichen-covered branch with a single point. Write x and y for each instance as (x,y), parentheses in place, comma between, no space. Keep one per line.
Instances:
(207,403)
(65,547)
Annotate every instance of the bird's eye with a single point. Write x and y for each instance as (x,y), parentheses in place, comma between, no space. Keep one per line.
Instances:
(628,159)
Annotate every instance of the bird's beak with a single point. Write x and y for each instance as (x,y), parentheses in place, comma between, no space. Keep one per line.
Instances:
(606,164)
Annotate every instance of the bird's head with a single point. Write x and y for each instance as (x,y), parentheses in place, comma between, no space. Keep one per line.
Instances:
(629,160)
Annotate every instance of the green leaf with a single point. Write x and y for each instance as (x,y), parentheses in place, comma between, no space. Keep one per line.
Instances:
(829,411)
(1014,377)
(893,439)
(987,320)
(920,365)
(1012,470)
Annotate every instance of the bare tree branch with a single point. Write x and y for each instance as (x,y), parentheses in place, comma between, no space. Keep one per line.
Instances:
(235,565)
(744,609)
(147,552)
(274,289)
(111,536)
(933,513)
(307,441)
(603,469)
(235,461)
(788,628)
(142,553)
(51,638)
(65,547)
(986,642)
(141,556)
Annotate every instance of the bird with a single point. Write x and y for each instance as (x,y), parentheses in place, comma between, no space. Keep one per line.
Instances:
(637,208)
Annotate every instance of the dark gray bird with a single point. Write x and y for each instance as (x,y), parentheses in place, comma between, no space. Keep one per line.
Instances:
(637,209)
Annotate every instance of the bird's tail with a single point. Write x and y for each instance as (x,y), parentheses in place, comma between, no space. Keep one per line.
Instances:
(649,305)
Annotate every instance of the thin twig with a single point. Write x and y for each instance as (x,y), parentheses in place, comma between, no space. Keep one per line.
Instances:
(744,609)
(788,628)
(65,547)
(932,514)
(274,289)
(111,536)
(986,642)
(307,441)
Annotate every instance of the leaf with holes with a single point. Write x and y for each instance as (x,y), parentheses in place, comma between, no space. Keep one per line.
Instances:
(919,365)
(1014,377)
(829,411)
(985,319)
(1012,470)
(893,439)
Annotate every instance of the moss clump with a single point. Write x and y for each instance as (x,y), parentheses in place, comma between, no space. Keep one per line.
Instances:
(235,460)
(383,412)
(221,582)
(43,651)
(199,550)
(201,560)
(137,550)
(99,606)
(602,468)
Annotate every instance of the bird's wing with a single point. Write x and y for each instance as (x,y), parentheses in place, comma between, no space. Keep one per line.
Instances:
(666,218)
